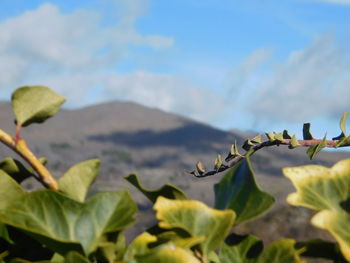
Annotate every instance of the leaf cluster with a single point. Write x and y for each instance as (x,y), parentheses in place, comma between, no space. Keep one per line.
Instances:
(65,223)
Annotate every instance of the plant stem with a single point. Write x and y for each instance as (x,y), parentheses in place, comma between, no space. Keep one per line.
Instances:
(20,146)
(233,160)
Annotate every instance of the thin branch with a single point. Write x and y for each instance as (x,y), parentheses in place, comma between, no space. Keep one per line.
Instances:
(20,146)
(233,160)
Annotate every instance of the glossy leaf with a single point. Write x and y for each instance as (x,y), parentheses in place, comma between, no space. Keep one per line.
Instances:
(35,104)
(76,181)
(239,191)
(319,187)
(10,190)
(240,249)
(306,132)
(169,191)
(50,216)
(195,218)
(315,149)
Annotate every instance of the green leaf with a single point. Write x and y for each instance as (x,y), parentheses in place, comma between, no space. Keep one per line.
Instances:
(306,132)
(76,181)
(256,139)
(74,257)
(338,224)
(10,190)
(233,152)
(314,149)
(281,251)
(318,248)
(271,136)
(54,219)
(319,187)
(218,162)
(196,219)
(35,104)
(240,249)
(294,142)
(15,169)
(342,123)
(279,137)
(4,234)
(344,141)
(286,135)
(169,191)
(328,190)
(239,191)
(139,246)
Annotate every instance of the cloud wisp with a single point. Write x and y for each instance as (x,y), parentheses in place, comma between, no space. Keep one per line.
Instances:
(312,82)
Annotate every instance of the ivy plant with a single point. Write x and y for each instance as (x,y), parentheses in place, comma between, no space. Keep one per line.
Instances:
(59,223)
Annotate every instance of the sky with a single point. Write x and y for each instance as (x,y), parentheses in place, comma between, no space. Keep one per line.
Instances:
(258,65)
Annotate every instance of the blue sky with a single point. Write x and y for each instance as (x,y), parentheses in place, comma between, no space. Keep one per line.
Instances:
(253,65)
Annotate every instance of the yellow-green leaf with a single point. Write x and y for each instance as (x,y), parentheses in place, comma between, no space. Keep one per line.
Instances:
(314,149)
(338,224)
(319,187)
(281,251)
(35,104)
(195,218)
(167,253)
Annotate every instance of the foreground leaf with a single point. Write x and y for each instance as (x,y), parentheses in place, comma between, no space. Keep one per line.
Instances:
(35,104)
(10,190)
(338,224)
(319,187)
(169,191)
(167,253)
(239,191)
(240,249)
(15,169)
(76,181)
(196,219)
(249,250)
(53,218)
(281,251)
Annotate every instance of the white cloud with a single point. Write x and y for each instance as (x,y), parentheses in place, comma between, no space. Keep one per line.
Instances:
(242,75)
(73,54)
(46,42)
(313,82)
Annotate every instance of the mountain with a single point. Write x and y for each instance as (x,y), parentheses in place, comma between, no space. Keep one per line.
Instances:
(157,145)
